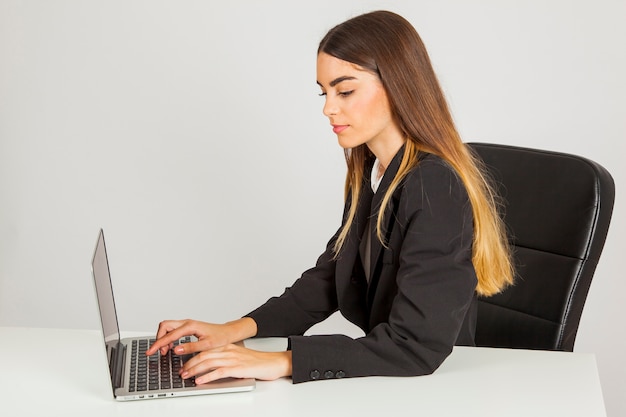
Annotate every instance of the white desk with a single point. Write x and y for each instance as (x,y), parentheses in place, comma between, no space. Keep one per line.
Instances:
(38,378)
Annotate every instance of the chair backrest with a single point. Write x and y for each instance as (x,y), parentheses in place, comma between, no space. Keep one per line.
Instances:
(557,208)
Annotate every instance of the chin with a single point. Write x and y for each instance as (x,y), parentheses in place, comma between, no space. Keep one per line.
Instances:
(346,143)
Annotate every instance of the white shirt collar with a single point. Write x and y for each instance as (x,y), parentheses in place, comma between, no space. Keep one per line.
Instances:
(374,178)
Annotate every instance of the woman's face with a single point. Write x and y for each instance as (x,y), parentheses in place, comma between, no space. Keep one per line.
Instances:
(356,104)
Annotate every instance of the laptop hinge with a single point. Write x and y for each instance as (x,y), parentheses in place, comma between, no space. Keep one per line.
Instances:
(118,356)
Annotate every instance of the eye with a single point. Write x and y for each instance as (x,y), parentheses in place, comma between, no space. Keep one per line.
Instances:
(322,94)
(345,93)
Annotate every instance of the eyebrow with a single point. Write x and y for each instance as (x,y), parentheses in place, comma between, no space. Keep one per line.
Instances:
(338,80)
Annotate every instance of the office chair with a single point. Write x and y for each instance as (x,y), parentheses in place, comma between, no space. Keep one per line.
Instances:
(557,209)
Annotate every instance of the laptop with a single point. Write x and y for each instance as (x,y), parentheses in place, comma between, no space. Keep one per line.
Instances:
(134,376)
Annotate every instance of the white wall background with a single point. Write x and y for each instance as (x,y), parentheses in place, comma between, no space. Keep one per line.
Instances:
(192,132)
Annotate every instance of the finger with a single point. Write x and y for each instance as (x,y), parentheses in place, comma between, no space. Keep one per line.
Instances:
(168,333)
(231,370)
(214,375)
(206,362)
(167,326)
(194,347)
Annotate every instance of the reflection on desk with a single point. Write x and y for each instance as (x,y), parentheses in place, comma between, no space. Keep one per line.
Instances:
(64,372)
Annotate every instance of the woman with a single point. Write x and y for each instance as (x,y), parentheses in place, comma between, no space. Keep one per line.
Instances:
(420,235)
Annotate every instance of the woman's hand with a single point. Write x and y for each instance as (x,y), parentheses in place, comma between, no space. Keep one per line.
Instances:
(237,362)
(209,335)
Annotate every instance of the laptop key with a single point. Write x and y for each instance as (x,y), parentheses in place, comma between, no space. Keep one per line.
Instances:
(157,371)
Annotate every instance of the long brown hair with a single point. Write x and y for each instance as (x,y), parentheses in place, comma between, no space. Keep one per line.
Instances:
(388,46)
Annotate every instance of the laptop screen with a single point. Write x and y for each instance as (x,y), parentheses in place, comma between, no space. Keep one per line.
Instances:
(104,291)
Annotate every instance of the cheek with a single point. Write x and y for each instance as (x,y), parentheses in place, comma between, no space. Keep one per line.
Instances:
(376,110)
(367,108)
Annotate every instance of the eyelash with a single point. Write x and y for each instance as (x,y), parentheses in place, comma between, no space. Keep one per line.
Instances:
(341,93)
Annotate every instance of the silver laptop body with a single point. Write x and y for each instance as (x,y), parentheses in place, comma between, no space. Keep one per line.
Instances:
(119,351)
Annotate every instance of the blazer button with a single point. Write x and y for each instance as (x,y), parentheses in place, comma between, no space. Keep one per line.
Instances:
(340,374)
(329,374)
(315,374)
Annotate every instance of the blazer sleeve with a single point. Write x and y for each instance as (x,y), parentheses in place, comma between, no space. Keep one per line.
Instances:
(430,259)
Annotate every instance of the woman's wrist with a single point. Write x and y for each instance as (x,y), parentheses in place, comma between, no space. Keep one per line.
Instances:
(243,328)
(287,363)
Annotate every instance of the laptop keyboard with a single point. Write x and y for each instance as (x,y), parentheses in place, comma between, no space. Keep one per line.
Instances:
(156,372)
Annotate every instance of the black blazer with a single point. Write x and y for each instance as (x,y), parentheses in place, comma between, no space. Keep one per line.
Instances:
(420,299)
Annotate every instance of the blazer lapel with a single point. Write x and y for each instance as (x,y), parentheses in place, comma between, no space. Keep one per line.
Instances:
(376,245)
(367,211)
(350,282)
(350,250)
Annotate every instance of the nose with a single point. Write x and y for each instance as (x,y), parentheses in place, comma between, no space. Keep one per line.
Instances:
(330,107)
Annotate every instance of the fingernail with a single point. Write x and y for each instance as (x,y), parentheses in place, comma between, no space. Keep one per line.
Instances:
(185,374)
(179,349)
(199,381)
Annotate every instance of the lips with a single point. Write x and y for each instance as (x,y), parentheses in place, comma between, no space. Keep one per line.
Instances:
(339,128)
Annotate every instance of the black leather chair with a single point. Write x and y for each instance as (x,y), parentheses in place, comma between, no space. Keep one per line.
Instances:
(557,208)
